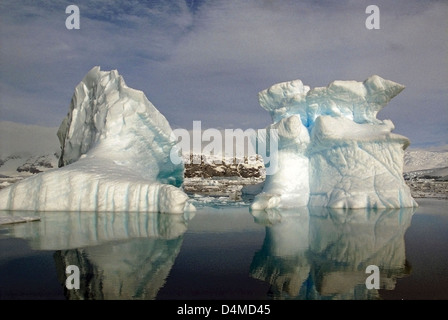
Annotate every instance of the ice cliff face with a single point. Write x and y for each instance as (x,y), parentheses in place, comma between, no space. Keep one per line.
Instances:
(333,151)
(107,118)
(115,148)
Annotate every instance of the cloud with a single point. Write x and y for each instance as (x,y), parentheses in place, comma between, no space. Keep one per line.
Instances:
(207,60)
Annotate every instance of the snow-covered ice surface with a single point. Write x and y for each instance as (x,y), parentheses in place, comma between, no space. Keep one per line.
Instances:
(115,148)
(332,150)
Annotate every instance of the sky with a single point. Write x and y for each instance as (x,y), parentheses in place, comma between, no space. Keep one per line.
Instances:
(207,60)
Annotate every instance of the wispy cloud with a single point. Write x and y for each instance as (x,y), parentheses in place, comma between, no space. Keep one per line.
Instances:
(207,60)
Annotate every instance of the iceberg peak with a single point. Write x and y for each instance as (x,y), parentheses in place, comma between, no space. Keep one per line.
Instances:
(115,156)
(358,101)
(107,117)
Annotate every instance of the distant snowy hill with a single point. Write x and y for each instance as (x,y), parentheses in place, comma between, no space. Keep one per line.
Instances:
(17,138)
(27,149)
(426,173)
(422,160)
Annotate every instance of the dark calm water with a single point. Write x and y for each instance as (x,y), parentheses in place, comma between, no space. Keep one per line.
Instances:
(227,252)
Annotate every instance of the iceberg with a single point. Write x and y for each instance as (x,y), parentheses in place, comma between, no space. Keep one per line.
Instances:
(332,150)
(115,156)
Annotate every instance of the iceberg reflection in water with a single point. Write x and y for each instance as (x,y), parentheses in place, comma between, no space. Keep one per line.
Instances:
(125,255)
(307,253)
(323,253)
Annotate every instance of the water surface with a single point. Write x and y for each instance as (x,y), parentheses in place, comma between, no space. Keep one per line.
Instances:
(227,252)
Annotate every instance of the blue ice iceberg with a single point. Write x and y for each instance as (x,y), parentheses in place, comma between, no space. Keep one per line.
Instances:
(115,156)
(332,150)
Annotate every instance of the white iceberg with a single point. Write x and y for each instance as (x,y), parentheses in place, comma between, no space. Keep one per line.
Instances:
(115,156)
(332,150)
